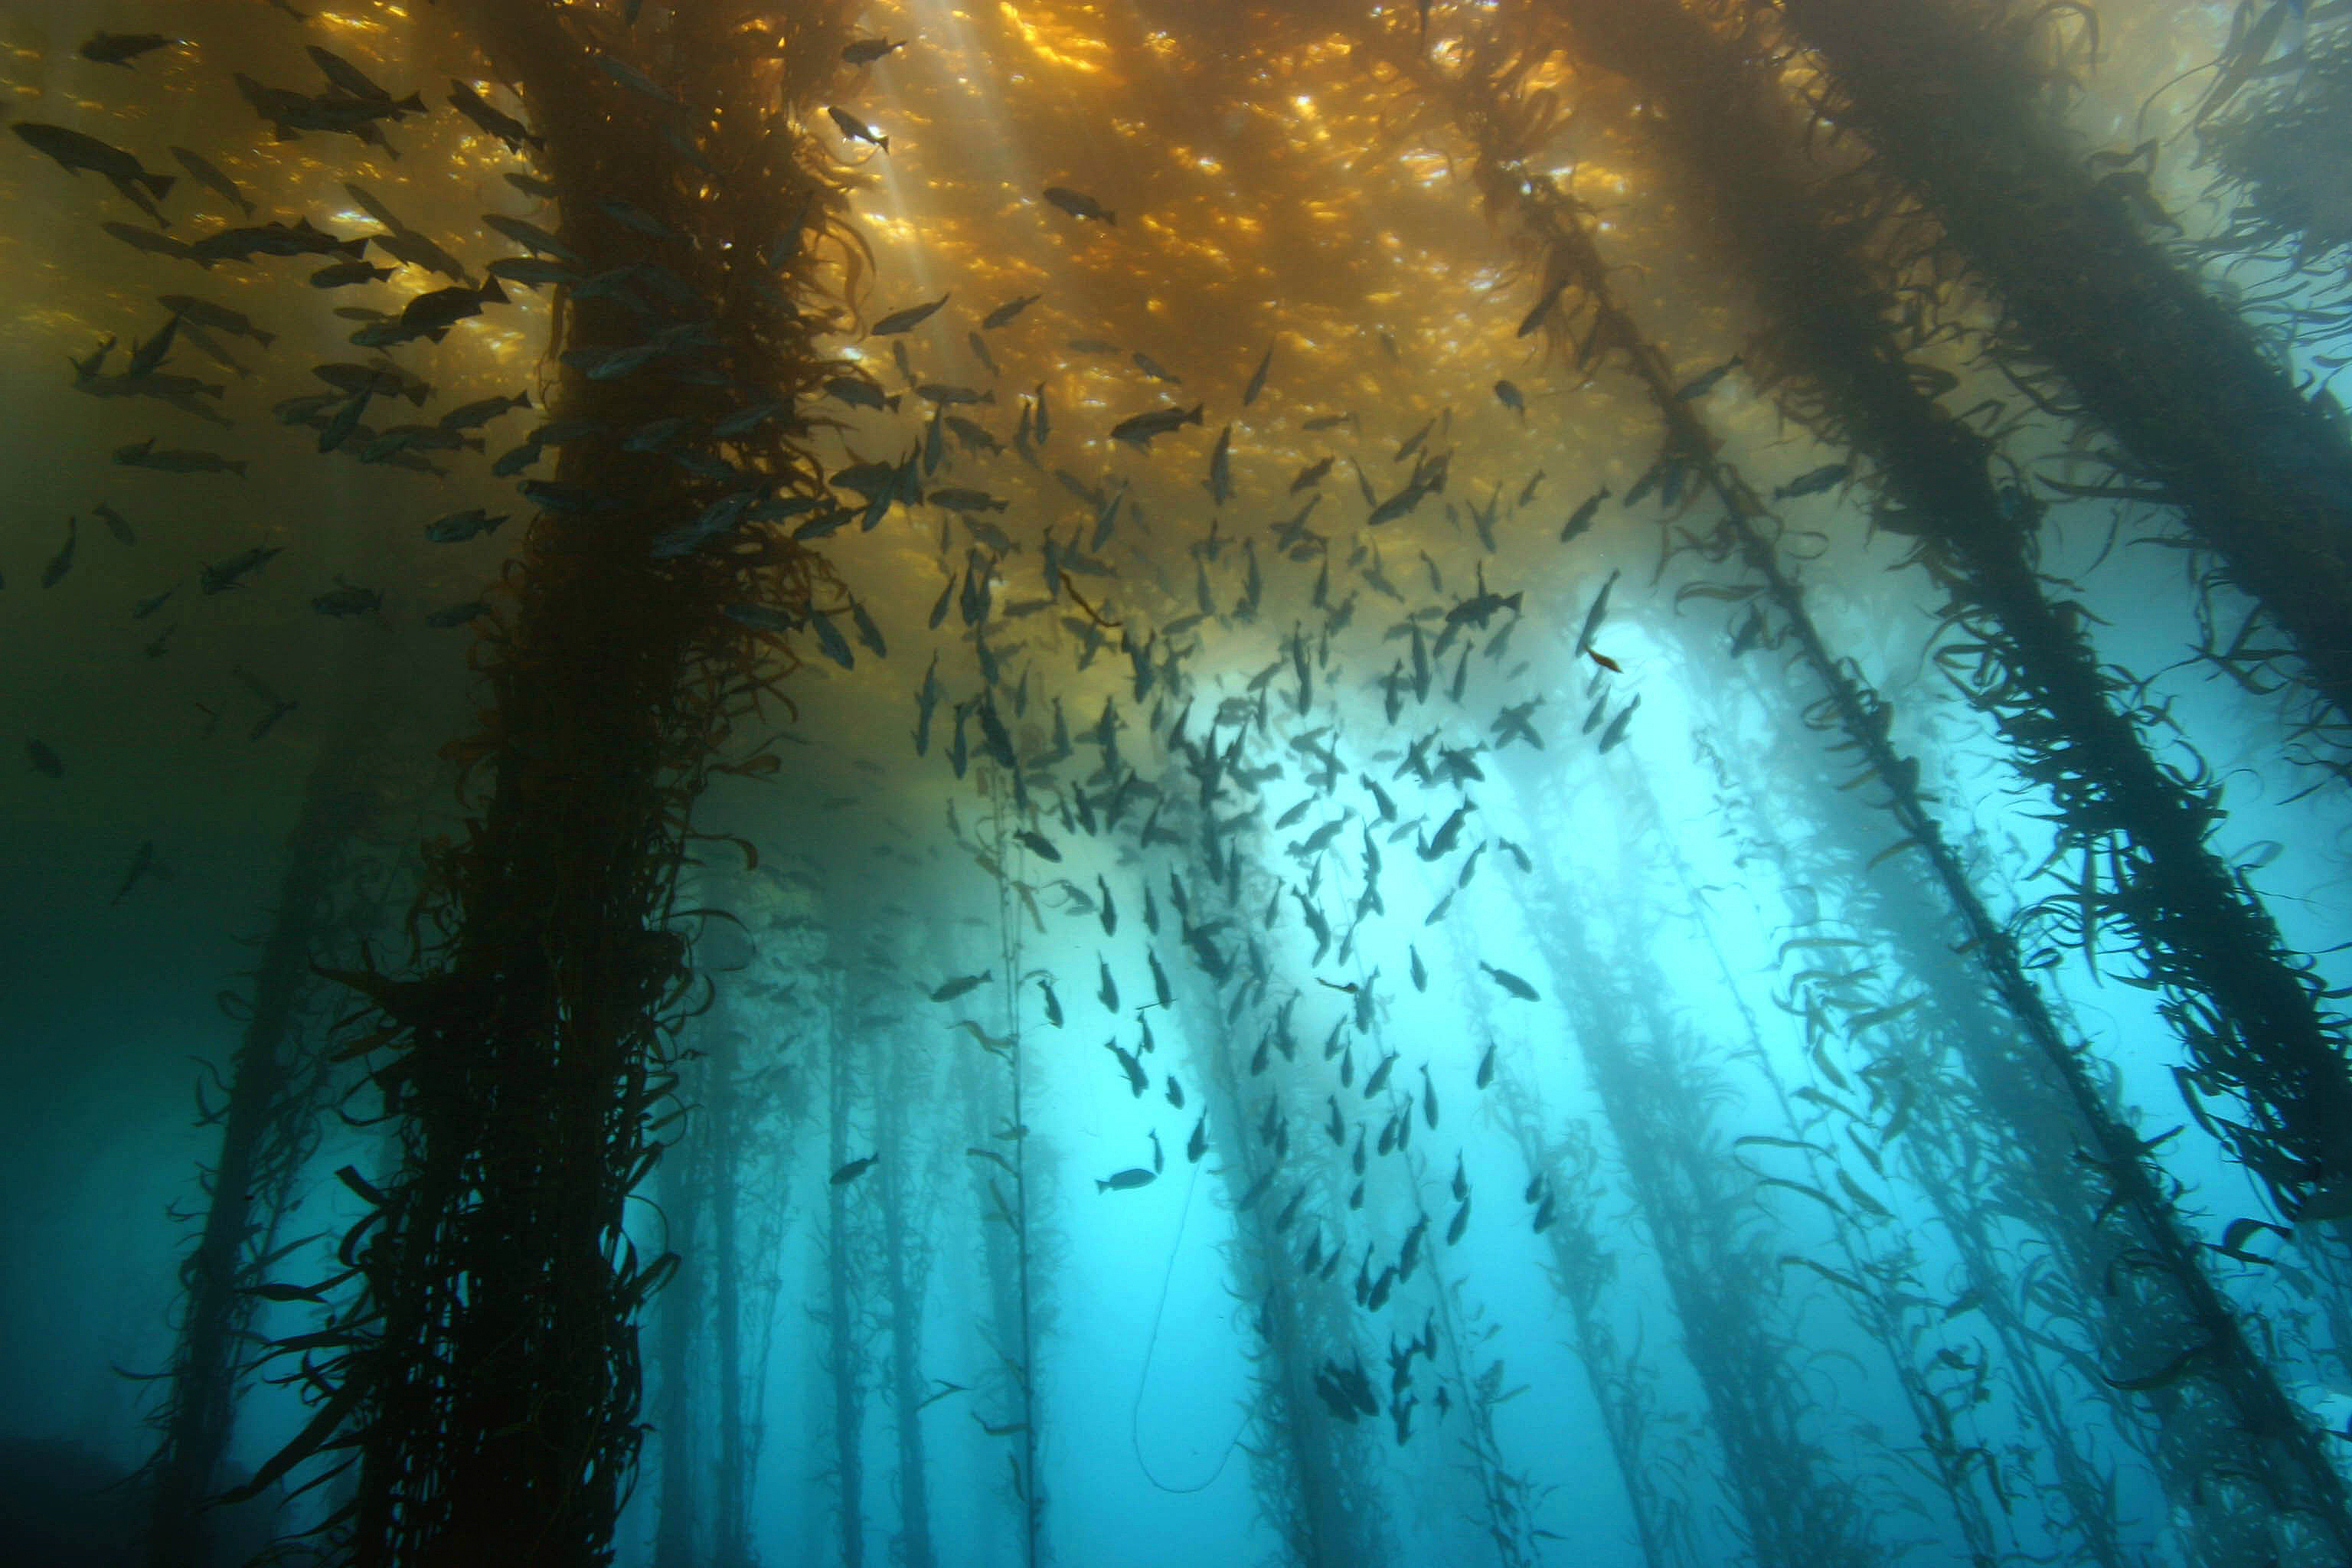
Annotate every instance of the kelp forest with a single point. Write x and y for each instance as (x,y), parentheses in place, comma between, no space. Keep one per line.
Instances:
(1138,784)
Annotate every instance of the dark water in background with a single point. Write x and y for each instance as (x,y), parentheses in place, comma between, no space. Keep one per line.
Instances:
(1680,883)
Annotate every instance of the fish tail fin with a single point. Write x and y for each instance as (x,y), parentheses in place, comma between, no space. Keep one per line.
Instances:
(490,293)
(1111,218)
(883,143)
(158,185)
(413,104)
(235,466)
(519,400)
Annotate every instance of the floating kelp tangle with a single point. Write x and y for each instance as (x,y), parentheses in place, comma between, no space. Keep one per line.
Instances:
(2253,1016)
(490,1376)
(1957,102)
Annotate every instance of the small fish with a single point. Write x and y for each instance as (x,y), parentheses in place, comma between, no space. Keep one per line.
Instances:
(1508,393)
(1079,205)
(121,48)
(851,1171)
(1582,517)
(348,77)
(1509,983)
(1705,382)
(908,320)
(458,614)
(347,274)
(1198,1144)
(856,130)
(346,600)
(62,562)
(1003,314)
(1258,378)
(220,317)
(142,864)
(1125,1181)
(1140,429)
(208,173)
(490,120)
(865,51)
(948,990)
(1616,731)
(1814,482)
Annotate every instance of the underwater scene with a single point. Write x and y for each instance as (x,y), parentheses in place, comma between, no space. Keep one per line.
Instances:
(1147,783)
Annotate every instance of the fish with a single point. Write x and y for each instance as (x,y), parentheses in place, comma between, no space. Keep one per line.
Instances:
(847,1174)
(856,130)
(1581,519)
(142,865)
(948,990)
(865,51)
(348,76)
(346,600)
(302,238)
(73,151)
(1814,481)
(1220,482)
(1507,392)
(1706,381)
(1125,1181)
(154,244)
(1140,429)
(62,562)
(1003,315)
(145,455)
(1509,982)
(432,315)
(348,274)
(475,414)
(490,120)
(458,614)
(533,238)
(1153,368)
(1616,731)
(224,575)
(121,48)
(1258,378)
(1079,205)
(908,319)
(1197,1143)
(205,172)
(1592,616)
(1130,1064)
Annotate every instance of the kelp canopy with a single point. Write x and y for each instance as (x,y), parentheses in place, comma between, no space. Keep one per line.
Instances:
(1547,780)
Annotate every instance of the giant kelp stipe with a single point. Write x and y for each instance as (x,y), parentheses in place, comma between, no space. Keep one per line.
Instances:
(1492,781)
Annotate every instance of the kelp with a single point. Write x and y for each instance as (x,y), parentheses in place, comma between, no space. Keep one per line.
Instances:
(489,1375)
(1952,99)
(278,1088)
